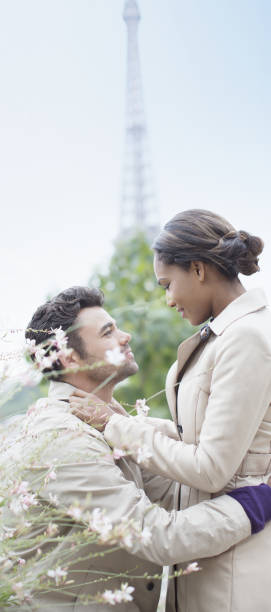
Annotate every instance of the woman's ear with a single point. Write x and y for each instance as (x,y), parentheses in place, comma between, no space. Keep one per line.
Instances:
(198,268)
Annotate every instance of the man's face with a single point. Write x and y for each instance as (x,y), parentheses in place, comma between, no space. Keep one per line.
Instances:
(99,334)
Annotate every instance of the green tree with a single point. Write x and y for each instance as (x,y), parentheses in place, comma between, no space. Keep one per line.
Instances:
(133,297)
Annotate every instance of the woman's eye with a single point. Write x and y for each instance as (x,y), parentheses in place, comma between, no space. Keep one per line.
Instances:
(165,287)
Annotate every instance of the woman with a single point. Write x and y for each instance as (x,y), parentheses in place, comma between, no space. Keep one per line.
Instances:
(219,394)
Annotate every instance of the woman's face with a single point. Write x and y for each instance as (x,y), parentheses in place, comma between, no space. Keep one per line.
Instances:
(185,290)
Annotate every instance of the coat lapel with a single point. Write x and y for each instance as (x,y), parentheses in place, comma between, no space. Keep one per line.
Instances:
(170,390)
(185,350)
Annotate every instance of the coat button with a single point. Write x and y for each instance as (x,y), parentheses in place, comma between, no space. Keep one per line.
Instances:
(205,332)
(150,586)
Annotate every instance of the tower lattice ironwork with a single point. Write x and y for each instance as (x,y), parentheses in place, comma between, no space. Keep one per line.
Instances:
(138,205)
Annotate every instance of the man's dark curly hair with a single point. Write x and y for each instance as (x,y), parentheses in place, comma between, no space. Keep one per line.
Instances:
(62,311)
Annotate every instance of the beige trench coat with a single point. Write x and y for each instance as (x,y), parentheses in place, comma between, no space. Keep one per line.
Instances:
(224,418)
(84,464)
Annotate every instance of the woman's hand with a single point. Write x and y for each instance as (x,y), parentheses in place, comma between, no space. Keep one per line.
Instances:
(90,409)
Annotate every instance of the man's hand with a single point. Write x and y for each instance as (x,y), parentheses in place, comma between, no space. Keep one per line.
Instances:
(92,410)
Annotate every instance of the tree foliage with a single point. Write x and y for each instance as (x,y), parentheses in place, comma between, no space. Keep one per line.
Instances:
(133,297)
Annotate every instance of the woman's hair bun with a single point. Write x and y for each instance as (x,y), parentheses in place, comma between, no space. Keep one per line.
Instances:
(245,249)
(201,235)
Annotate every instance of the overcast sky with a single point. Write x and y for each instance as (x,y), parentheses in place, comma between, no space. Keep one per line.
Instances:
(206,77)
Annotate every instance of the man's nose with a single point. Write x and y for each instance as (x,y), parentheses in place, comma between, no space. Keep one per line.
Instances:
(124,337)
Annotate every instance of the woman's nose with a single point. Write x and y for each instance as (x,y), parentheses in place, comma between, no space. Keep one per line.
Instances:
(170,301)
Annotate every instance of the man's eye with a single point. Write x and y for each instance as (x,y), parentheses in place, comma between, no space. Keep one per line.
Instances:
(107,333)
(165,287)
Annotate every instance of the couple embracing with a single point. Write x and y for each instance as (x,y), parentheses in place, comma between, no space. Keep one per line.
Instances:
(196,484)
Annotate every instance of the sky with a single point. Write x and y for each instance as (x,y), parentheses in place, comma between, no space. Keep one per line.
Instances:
(206,79)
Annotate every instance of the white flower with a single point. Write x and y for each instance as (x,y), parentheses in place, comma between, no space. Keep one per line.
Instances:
(45,362)
(23,498)
(143,453)
(119,595)
(126,531)
(60,338)
(99,523)
(58,574)
(141,407)
(109,597)
(53,499)
(192,567)
(126,592)
(127,539)
(118,453)
(50,476)
(6,533)
(46,356)
(21,488)
(28,500)
(39,354)
(75,512)
(146,536)
(21,594)
(115,356)
(52,529)
(30,346)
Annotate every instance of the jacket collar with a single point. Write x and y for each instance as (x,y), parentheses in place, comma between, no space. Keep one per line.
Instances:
(60,390)
(248,302)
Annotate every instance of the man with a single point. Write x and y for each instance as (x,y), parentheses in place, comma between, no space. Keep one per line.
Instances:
(88,476)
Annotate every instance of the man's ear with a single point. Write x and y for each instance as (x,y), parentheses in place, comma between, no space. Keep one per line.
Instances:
(71,360)
(199,270)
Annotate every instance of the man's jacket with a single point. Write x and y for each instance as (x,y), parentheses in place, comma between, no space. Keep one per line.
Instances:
(88,475)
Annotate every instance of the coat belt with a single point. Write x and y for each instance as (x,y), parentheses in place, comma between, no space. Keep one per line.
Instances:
(255,464)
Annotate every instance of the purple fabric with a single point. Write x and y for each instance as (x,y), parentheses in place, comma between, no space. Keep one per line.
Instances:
(256,502)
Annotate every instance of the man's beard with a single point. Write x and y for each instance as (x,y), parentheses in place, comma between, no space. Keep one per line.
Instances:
(108,372)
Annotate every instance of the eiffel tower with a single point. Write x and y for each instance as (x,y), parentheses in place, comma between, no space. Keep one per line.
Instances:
(139,210)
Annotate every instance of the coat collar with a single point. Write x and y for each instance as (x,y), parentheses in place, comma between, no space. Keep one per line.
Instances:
(248,302)
(60,390)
